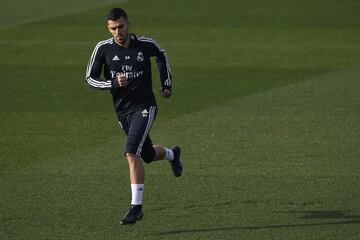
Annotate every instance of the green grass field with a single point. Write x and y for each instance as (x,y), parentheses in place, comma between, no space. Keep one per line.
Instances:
(266,107)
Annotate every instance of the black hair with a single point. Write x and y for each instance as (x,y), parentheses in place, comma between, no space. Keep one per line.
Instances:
(115,14)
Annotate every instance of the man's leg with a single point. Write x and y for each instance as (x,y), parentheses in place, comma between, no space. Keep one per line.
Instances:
(139,127)
(160,152)
(173,155)
(136,169)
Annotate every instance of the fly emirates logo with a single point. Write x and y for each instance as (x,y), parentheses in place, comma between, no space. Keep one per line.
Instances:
(128,71)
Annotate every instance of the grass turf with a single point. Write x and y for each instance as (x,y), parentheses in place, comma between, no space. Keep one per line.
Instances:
(266,107)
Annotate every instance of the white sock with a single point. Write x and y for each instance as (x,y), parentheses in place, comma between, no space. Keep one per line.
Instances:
(169,154)
(137,194)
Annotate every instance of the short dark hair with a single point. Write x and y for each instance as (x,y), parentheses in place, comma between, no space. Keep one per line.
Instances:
(116,13)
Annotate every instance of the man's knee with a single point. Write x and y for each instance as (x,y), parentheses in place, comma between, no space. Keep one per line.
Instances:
(131,157)
(148,156)
(147,159)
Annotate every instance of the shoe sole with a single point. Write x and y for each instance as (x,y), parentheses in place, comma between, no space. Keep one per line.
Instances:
(172,167)
(132,223)
(178,174)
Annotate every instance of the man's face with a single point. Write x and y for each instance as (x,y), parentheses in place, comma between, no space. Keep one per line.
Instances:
(119,29)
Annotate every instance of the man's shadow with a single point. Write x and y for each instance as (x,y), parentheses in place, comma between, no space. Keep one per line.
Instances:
(338,217)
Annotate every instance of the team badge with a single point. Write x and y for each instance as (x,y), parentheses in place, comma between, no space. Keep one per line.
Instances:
(140,57)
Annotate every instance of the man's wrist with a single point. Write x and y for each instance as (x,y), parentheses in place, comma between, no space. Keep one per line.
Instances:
(165,88)
(115,83)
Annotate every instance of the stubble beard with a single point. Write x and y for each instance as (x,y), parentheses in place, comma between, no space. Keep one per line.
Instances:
(123,40)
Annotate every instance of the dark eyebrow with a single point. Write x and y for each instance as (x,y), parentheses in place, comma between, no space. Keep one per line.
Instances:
(118,26)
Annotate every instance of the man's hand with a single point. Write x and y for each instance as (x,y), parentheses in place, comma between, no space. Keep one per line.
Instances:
(166,93)
(122,79)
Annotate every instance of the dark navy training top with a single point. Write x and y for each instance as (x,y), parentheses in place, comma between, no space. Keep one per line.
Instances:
(112,59)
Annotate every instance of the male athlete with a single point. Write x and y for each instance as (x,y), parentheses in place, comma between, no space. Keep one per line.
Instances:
(124,60)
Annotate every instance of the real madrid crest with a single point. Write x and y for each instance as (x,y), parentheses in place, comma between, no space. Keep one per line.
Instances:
(140,57)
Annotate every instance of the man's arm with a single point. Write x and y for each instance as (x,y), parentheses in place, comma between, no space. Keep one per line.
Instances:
(163,66)
(164,69)
(165,73)
(94,69)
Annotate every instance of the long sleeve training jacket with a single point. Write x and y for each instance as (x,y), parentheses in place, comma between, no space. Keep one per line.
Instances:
(112,59)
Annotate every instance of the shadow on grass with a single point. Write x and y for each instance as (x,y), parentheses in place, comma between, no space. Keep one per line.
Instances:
(345,216)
